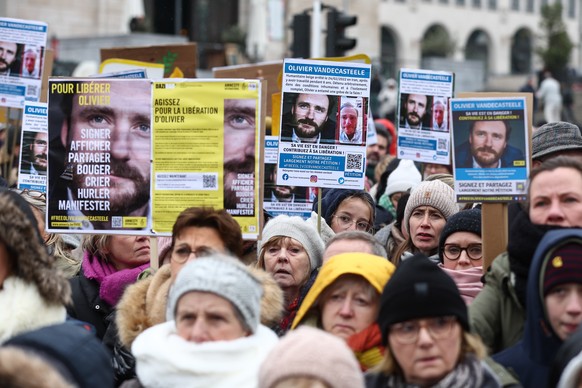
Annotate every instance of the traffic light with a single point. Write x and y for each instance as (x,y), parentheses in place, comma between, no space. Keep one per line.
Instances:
(301,46)
(336,43)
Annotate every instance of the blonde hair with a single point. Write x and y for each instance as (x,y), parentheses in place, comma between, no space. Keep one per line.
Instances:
(277,240)
(97,244)
(381,166)
(470,344)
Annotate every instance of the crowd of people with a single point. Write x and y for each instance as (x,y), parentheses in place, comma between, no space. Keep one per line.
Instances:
(378,287)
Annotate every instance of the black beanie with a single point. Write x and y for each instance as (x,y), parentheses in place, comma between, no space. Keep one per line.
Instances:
(463,221)
(420,289)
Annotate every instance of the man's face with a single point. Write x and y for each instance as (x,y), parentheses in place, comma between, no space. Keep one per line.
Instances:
(375,152)
(7,55)
(415,108)
(309,114)
(29,61)
(38,151)
(349,120)
(439,113)
(239,144)
(123,124)
(488,141)
(282,193)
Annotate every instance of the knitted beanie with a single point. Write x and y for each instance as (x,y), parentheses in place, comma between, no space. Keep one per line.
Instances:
(405,177)
(555,137)
(435,194)
(224,276)
(298,229)
(420,289)
(563,266)
(334,197)
(310,352)
(463,221)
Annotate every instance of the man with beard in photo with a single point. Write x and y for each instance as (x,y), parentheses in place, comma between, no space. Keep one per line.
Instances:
(106,133)
(413,111)
(308,121)
(487,147)
(37,155)
(239,156)
(275,193)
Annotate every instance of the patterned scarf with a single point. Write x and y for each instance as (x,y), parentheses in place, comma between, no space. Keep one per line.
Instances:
(386,203)
(112,282)
(285,323)
(367,346)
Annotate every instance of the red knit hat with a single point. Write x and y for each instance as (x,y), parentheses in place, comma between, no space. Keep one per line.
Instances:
(563,266)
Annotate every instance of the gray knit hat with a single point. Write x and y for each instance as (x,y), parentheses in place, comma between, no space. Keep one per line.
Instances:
(311,352)
(299,229)
(431,193)
(555,137)
(224,276)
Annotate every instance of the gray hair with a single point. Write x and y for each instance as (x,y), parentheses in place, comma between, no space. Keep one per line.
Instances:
(358,235)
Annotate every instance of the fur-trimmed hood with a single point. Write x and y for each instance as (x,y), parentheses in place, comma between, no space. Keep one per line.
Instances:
(143,304)
(29,256)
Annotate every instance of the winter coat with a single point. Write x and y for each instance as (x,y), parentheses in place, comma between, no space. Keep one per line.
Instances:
(87,305)
(143,304)
(532,356)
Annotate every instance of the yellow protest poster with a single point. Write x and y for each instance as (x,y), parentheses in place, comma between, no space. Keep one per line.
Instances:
(206,150)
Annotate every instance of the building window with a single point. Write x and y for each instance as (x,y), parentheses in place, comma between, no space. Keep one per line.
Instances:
(572,9)
(515,5)
(444,1)
(543,3)
(476,3)
(460,2)
(529,6)
(492,4)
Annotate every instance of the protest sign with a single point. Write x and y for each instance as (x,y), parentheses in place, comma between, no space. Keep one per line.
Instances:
(23,43)
(99,156)
(423,128)
(322,140)
(216,160)
(34,147)
(290,200)
(490,140)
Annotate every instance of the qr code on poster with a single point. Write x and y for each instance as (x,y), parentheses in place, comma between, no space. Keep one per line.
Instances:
(116,222)
(354,162)
(31,90)
(209,181)
(442,144)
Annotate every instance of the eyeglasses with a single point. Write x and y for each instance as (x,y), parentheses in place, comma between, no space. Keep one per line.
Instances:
(407,332)
(35,194)
(453,252)
(346,221)
(183,253)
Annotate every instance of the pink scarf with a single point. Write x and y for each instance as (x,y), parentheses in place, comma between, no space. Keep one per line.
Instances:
(112,282)
(468,281)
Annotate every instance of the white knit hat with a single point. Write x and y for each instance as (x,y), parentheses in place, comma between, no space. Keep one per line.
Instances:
(310,352)
(299,229)
(406,176)
(431,193)
(224,276)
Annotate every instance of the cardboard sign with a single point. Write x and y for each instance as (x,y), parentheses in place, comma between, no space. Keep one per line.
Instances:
(181,56)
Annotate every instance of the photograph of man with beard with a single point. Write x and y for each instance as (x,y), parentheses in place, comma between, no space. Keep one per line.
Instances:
(104,172)
(9,54)
(413,111)
(487,147)
(239,156)
(309,118)
(274,193)
(34,159)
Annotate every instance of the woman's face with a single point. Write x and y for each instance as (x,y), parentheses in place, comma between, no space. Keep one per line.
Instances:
(5,264)
(348,307)
(426,360)
(556,198)
(206,317)
(352,214)
(288,262)
(426,224)
(128,251)
(466,247)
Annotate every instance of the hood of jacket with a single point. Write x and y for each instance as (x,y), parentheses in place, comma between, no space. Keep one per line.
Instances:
(29,256)
(539,339)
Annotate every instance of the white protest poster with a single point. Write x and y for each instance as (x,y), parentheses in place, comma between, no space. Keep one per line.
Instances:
(23,45)
(324,124)
(289,200)
(490,141)
(34,147)
(423,127)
